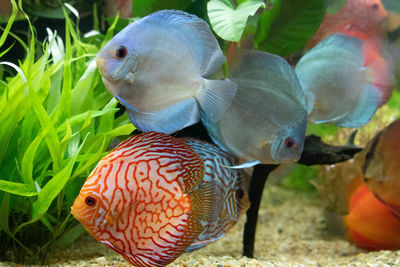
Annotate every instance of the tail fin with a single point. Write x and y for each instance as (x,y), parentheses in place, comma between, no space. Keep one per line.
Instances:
(364,110)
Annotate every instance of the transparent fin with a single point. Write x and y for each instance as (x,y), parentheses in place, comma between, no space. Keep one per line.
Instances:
(204,201)
(196,33)
(216,96)
(167,120)
(364,110)
(247,164)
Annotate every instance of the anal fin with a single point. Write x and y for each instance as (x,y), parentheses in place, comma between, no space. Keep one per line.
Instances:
(169,119)
(363,110)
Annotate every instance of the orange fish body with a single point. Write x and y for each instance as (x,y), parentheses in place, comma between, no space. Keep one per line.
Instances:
(370,224)
(155,196)
(379,68)
(366,16)
(382,166)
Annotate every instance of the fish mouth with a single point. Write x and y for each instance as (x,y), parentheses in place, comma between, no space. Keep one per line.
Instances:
(100,63)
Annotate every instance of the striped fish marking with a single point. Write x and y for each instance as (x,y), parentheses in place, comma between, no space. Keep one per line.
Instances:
(154,196)
(231,189)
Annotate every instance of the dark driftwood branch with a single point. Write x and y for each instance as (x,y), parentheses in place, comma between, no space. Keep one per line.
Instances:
(315,152)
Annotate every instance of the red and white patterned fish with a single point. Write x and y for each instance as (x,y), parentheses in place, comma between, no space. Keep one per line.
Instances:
(156,196)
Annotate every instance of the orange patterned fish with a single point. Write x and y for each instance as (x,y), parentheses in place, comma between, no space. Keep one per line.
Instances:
(371,224)
(366,16)
(381,167)
(156,196)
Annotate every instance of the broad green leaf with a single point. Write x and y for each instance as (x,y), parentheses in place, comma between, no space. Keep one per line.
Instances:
(322,129)
(18,188)
(299,178)
(392,5)
(229,21)
(333,6)
(198,8)
(141,8)
(288,26)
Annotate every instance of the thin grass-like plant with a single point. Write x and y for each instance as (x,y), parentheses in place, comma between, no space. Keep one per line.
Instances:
(57,121)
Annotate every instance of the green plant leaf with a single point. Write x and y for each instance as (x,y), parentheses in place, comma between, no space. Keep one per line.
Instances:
(229,22)
(299,178)
(141,8)
(18,188)
(70,236)
(50,191)
(333,6)
(9,23)
(392,5)
(288,26)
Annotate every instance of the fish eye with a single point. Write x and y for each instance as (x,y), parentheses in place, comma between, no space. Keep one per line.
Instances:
(290,143)
(375,6)
(240,193)
(121,52)
(90,201)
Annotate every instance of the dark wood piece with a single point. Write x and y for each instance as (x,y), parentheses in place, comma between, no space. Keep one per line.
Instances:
(315,152)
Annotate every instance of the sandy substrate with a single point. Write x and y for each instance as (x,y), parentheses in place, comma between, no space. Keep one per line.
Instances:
(291,232)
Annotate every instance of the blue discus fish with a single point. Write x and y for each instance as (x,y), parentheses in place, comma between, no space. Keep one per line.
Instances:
(267,120)
(345,79)
(158,67)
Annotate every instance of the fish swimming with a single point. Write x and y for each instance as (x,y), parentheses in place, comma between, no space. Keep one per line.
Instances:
(370,223)
(381,167)
(366,16)
(345,79)
(156,196)
(158,67)
(267,120)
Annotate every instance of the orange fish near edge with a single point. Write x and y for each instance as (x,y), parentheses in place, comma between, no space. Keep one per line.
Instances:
(371,225)
(366,16)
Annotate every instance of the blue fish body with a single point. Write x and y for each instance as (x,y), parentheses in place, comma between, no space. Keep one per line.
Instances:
(161,64)
(336,78)
(267,120)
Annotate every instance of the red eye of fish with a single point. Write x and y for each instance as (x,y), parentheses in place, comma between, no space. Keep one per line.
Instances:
(90,201)
(290,143)
(121,52)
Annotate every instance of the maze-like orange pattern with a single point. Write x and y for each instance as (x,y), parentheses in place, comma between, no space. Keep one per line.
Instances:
(148,207)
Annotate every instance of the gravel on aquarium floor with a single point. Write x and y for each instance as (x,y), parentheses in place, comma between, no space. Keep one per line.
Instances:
(291,231)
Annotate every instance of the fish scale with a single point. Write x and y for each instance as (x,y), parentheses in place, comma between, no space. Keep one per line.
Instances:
(157,196)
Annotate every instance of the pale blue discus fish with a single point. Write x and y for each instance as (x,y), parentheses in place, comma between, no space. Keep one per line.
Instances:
(267,120)
(339,85)
(158,67)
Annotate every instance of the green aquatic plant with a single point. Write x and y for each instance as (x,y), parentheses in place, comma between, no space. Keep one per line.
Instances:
(57,120)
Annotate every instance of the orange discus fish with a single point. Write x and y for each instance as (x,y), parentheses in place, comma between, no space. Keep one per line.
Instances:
(371,224)
(366,16)
(381,167)
(156,196)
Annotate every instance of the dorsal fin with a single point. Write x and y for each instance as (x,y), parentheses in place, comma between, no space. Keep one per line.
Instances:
(196,33)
